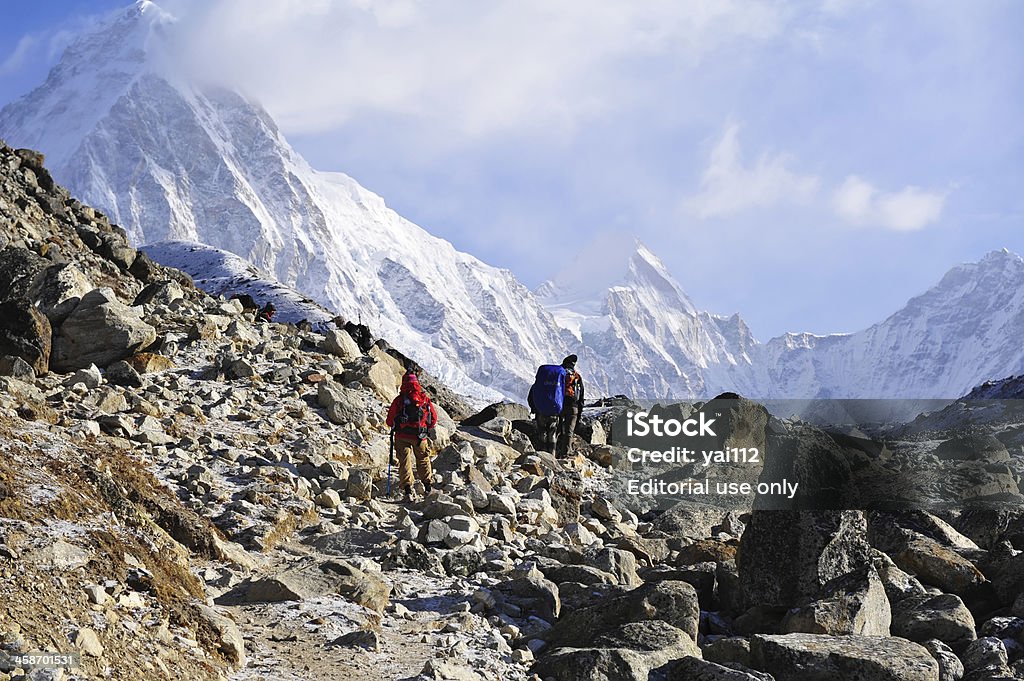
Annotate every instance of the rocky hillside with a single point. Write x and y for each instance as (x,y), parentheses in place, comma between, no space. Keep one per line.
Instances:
(185,493)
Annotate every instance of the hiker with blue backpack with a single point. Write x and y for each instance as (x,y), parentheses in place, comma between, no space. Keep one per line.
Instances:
(411,418)
(556,397)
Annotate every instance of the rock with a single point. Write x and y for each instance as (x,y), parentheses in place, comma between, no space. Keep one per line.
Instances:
(937,565)
(438,670)
(88,642)
(360,484)
(987,655)
(501,427)
(532,595)
(1007,575)
(619,563)
(343,405)
(506,410)
(159,292)
(122,373)
(943,617)
(629,653)
(149,363)
(341,344)
(16,367)
(674,602)
(854,604)
(25,333)
(100,331)
(329,498)
(950,666)
(788,556)
(57,291)
(811,657)
(97,595)
(227,635)
(361,638)
(605,510)
(696,669)
(90,377)
(304,582)
(687,519)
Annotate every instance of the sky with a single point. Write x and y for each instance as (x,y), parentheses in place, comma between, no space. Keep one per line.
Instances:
(810,165)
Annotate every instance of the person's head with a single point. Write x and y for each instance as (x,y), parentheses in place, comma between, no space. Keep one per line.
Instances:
(410,384)
(270,307)
(569,362)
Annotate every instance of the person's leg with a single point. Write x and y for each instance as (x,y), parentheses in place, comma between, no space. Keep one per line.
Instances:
(423,468)
(566,428)
(546,432)
(404,449)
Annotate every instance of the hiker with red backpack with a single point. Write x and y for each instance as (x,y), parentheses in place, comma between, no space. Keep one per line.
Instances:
(411,417)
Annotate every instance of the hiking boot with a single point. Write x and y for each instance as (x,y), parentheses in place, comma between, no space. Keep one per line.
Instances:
(407,496)
(427,488)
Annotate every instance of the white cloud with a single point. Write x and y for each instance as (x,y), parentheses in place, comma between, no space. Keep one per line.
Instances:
(859,202)
(477,68)
(16,58)
(729,186)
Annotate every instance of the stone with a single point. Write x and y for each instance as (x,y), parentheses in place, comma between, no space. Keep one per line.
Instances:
(506,410)
(343,405)
(361,638)
(619,563)
(57,291)
(360,484)
(16,367)
(341,344)
(101,330)
(1007,576)
(532,594)
(927,616)
(605,509)
(501,427)
(674,602)
(814,657)
(853,604)
(950,666)
(939,566)
(693,668)
(329,498)
(88,642)
(629,653)
(440,670)
(97,595)
(149,363)
(228,637)
(788,556)
(90,377)
(25,333)
(308,581)
(987,655)
(124,374)
(159,292)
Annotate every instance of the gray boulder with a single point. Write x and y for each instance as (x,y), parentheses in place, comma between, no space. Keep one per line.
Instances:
(854,604)
(810,657)
(100,331)
(788,556)
(927,616)
(25,333)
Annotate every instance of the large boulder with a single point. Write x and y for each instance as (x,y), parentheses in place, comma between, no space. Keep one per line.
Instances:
(25,333)
(934,616)
(853,604)
(337,576)
(341,344)
(57,290)
(810,657)
(670,601)
(786,557)
(19,268)
(626,653)
(100,331)
(343,405)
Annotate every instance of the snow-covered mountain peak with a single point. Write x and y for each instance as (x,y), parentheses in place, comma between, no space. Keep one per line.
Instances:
(94,72)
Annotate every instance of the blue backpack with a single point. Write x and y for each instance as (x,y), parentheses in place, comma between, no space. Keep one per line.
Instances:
(548,391)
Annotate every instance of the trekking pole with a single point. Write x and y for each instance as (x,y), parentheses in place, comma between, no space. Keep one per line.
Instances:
(391,455)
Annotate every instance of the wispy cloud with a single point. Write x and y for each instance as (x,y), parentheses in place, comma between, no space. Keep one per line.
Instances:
(859,202)
(16,59)
(729,185)
(480,68)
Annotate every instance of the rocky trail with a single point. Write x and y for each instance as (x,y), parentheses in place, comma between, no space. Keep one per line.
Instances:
(186,493)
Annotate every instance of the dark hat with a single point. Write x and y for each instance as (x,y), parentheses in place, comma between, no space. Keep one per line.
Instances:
(569,361)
